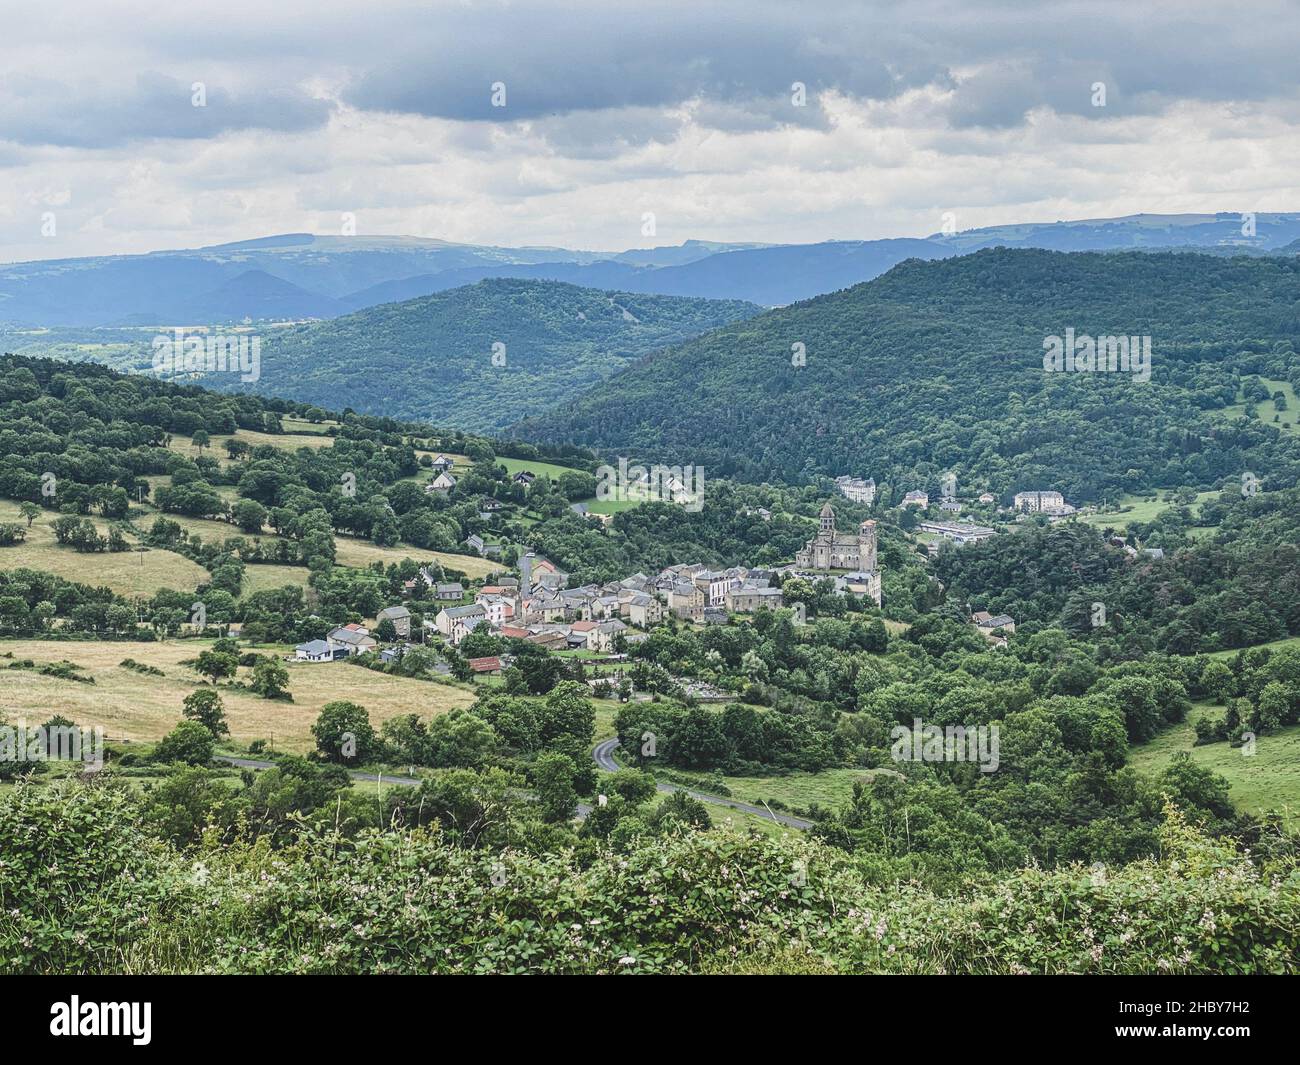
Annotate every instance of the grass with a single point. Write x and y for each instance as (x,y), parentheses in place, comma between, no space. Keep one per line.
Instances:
(1267,780)
(361,553)
(259,577)
(349,551)
(1275,645)
(799,790)
(128,573)
(1268,409)
(144,708)
(280,441)
(1138,509)
(542,469)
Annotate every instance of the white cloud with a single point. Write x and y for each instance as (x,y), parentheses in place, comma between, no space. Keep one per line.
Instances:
(979,109)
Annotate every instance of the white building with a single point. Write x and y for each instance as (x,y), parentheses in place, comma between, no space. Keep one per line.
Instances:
(457,622)
(857,489)
(1039,501)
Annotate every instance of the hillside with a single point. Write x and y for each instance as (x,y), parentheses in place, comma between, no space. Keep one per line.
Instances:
(938,366)
(432,358)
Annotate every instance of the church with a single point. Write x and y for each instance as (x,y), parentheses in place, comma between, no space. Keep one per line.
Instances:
(831,550)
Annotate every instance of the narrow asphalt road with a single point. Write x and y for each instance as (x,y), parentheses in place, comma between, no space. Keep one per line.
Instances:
(604,757)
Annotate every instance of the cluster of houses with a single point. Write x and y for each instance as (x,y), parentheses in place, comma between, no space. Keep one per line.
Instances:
(541,608)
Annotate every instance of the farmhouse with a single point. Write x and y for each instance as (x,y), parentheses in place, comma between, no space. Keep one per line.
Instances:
(315,651)
(442,484)
(353,639)
(400,617)
(457,622)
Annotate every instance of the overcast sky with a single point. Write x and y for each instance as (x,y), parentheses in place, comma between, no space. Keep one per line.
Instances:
(384,109)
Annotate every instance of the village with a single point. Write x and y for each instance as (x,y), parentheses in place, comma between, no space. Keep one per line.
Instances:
(602,622)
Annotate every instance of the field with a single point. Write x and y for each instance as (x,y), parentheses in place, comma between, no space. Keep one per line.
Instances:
(1139,509)
(1266,411)
(279,441)
(542,469)
(1276,645)
(141,707)
(1267,780)
(348,549)
(128,573)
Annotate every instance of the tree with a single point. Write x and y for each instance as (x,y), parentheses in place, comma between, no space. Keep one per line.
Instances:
(249,515)
(188,742)
(216,665)
(30,511)
(567,720)
(343,732)
(205,707)
(270,678)
(553,775)
(460,740)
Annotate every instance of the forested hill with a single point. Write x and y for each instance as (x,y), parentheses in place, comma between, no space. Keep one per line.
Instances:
(432,358)
(938,366)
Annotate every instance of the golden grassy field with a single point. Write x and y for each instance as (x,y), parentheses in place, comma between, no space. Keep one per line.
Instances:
(137,706)
(128,573)
(349,550)
(281,442)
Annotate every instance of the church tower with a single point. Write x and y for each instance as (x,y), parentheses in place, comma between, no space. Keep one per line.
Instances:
(828,519)
(867,546)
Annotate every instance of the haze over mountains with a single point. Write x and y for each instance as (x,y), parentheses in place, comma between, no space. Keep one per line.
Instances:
(297,276)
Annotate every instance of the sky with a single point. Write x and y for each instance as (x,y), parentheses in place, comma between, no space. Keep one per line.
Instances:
(128,127)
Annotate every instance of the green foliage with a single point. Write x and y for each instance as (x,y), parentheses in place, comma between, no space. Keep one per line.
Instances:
(557,338)
(205,707)
(86,887)
(189,742)
(343,732)
(938,366)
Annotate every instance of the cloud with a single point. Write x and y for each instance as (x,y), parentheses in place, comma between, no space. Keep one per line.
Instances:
(385,109)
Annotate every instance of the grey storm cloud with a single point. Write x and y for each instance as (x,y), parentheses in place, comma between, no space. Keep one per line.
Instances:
(731,63)
(43,111)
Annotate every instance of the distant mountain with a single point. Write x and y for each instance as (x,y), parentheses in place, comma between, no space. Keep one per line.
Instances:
(1137,232)
(938,367)
(337,275)
(480,356)
(258,295)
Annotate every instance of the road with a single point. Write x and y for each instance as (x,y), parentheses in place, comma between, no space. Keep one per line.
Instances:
(603,755)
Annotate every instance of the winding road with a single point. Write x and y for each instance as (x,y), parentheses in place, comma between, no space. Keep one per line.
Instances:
(603,755)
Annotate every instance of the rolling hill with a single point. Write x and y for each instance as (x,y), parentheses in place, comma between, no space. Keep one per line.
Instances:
(939,365)
(433,357)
